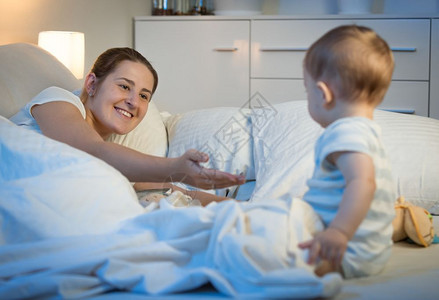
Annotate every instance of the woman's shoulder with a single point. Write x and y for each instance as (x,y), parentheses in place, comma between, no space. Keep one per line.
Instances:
(50,94)
(54,93)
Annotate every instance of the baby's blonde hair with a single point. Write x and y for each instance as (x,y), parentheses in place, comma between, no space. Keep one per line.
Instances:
(354,61)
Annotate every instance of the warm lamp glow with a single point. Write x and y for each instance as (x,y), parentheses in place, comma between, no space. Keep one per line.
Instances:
(67,47)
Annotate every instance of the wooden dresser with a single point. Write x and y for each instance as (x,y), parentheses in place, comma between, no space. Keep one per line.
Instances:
(225,61)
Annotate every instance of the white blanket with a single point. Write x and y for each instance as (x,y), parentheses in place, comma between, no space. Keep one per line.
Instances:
(71,227)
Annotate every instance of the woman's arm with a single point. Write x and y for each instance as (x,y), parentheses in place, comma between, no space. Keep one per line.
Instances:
(62,121)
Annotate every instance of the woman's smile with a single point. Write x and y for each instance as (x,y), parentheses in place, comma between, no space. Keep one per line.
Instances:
(124,112)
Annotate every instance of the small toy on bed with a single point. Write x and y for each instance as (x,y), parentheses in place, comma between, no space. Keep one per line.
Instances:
(412,222)
(151,199)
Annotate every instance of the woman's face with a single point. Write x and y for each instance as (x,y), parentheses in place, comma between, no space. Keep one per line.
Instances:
(121,100)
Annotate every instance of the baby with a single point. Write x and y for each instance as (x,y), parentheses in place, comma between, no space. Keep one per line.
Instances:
(347,73)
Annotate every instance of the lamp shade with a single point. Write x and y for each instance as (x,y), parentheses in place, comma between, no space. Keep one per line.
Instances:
(67,47)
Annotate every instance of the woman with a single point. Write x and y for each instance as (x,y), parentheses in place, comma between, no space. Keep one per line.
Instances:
(114,99)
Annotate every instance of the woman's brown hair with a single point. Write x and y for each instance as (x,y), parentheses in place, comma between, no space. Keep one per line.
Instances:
(110,59)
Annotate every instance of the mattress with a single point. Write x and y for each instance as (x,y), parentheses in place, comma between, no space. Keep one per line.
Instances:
(411,273)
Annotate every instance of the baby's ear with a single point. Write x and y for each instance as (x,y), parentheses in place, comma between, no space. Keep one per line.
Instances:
(327,93)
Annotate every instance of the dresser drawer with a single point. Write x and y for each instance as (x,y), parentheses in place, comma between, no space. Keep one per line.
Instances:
(204,61)
(278,46)
(402,96)
(278,90)
(407,97)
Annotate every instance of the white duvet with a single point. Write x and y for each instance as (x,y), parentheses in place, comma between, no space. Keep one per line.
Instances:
(71,227)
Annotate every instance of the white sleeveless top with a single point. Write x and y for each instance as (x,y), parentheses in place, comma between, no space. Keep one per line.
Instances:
(24,116)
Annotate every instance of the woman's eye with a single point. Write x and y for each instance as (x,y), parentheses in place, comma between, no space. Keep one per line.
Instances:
(125,87)
(144,97)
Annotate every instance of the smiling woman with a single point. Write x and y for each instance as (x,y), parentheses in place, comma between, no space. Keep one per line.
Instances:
(123,99)
(115,99)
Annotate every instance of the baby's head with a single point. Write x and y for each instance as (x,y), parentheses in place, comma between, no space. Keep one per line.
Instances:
(354,62)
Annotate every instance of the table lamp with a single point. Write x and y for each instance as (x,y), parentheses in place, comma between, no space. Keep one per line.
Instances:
(67,47)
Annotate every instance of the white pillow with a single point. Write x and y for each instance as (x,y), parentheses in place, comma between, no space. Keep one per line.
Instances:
(283,150)
(49,189)
(412,144)
(223,133)
(284,154)
(148,137)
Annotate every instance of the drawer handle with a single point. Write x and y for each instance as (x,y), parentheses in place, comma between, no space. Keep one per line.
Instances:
(226,49)
(298,49)
(292,49)
(403,49)
(400,110)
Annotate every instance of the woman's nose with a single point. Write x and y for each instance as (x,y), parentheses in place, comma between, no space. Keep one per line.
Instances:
(132,100)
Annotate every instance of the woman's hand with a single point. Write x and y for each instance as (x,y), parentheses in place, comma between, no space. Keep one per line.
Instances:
(188,170)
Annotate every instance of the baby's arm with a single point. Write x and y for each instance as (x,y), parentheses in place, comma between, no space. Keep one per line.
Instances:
(359,173)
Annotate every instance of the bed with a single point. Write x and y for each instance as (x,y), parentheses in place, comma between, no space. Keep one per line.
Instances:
(73,227)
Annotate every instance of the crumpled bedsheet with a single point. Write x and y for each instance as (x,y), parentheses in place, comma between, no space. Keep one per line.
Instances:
(72,227)
(245,250)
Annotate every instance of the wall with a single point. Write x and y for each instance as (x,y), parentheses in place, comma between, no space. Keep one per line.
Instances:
(106,23)
(109,23)
(410,7)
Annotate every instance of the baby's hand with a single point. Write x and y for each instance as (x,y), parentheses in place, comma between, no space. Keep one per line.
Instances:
(328,245)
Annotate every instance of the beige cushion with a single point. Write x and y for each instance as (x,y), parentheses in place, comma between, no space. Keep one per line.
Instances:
(25,70)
